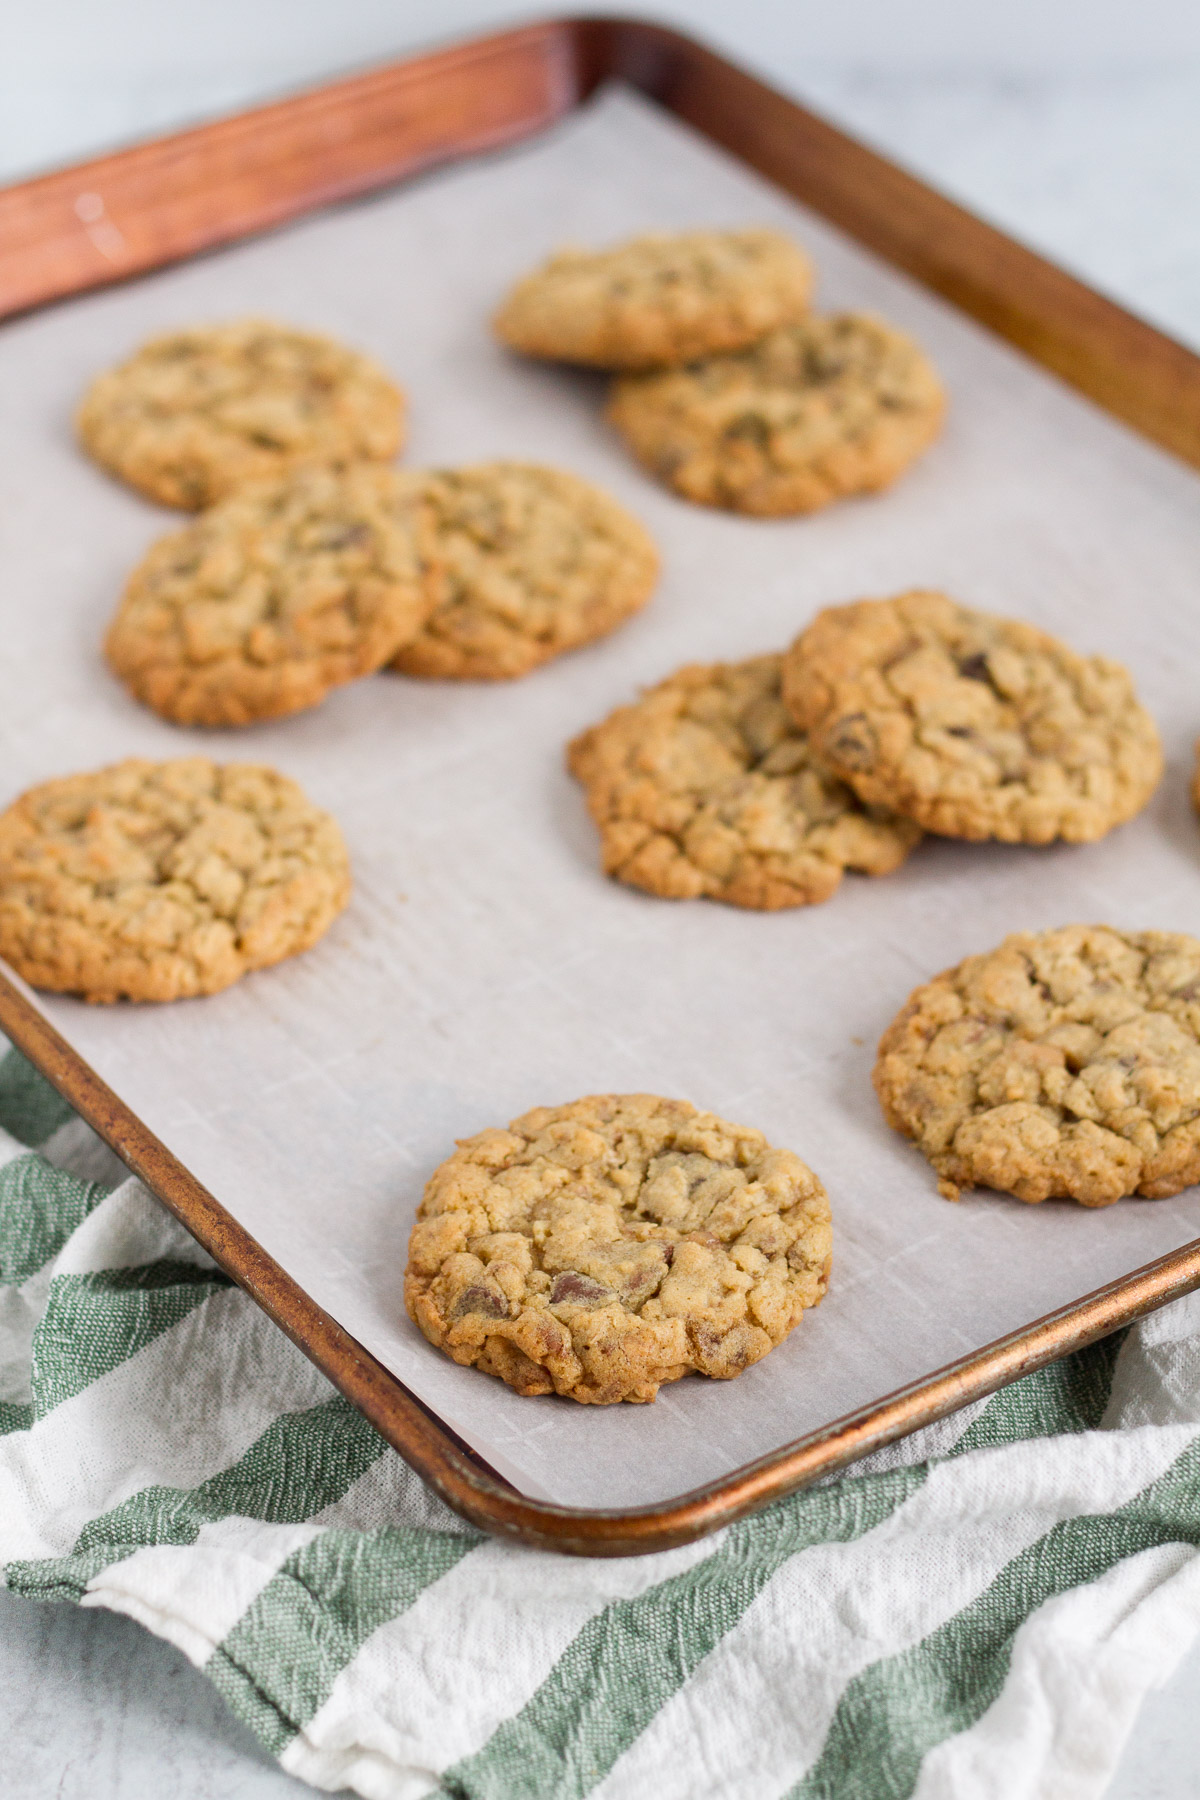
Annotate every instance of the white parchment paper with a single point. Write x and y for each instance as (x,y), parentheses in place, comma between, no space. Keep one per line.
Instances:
(484,966)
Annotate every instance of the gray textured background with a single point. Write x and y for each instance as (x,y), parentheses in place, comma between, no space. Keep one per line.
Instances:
(1075,124)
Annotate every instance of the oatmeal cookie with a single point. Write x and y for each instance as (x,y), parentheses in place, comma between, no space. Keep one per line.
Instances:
(1064,1064)
(975,726)
(811,413)
(706,786)
(658,300)
(270,599)
(195,414)
(158,881)
(599,1249)
(527,562)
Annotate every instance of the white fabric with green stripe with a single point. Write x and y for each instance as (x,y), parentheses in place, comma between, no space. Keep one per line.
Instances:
(975,1613)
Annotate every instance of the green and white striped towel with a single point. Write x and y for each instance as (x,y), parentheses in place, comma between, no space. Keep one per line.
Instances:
(976,1613)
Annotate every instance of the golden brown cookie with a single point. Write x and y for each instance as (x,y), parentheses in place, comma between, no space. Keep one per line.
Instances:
(1064,1063)
(275,596)
(658,300)
(527,562)
(158,881)
(811,413)
(974,725)
(599,1249)
(706,786)
(195,414)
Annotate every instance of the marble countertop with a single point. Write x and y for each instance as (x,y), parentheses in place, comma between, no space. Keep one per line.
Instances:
(1098,168)
(97,1709)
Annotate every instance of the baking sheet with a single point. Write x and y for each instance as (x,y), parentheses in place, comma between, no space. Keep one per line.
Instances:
(484,966)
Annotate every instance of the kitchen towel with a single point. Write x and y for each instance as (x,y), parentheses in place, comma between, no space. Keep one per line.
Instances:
(974,1614)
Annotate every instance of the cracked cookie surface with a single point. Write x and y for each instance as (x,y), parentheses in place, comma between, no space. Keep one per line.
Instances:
(159,881)
(705,786)
(1062,1064)
(813,412)
(974,725)
(526,562)
(273,597)
(599,1249)
(195,414)
(658,300)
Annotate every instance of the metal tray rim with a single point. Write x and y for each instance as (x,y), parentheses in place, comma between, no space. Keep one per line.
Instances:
(1133,370)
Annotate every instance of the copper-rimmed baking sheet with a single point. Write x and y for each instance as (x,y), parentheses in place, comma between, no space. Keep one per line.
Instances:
(484,965)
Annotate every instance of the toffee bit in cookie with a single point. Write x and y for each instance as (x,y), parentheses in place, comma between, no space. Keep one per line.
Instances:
(197,413)
(1063,1064)
(282,592)
(525,562)
(599,1249)
(159,881)
(973,725)
(658,300)
(705,786)
(812,412)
